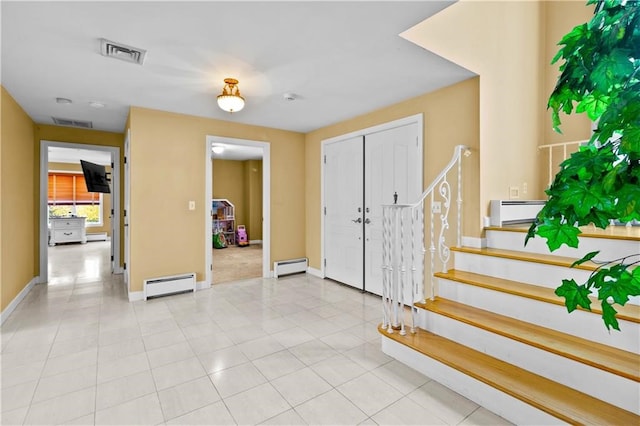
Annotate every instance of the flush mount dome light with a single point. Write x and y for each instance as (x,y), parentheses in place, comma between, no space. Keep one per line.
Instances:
(217,149)
(230,99)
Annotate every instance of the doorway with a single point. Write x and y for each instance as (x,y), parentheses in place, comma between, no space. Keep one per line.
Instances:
(361,172)
(73,152)
(256,149)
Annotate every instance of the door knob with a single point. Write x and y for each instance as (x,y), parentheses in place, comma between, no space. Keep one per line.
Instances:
(358,220)
(367,221)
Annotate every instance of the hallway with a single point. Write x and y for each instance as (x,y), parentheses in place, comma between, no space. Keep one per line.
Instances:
(298,350)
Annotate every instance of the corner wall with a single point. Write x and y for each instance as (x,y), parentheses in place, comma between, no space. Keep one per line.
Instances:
(18,212)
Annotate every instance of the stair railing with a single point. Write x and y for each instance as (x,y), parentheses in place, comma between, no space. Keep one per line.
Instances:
(403,246)
(552,155)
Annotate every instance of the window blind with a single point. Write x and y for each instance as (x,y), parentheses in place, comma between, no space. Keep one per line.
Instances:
(69,188)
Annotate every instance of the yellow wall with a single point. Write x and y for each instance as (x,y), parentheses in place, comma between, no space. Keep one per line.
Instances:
(18,211)
(505,43)
(82,137)
(450,118)
(253,199)
(106,198)
(228,182)
(168,156)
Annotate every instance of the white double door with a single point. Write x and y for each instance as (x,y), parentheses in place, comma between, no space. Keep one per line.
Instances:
(360,175)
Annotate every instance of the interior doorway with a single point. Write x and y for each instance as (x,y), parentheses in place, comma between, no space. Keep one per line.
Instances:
(64,158)
(259,237)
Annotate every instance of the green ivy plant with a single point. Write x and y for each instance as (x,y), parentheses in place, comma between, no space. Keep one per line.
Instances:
(600,76)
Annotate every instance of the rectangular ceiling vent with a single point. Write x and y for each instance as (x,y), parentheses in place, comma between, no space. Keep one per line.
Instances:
(121,51)
(72,123)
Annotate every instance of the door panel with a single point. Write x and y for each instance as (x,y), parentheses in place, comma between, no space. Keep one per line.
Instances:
(393,165)
(343,183)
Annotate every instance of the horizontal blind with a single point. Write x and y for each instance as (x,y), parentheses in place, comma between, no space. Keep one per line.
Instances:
(69,188)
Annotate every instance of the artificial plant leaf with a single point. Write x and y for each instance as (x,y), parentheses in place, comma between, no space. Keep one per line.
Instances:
(619,286)
(594,105)
(611,68)
(609,316)
(631,139)
(583,197)
(574,295)
(570,40)
(587,257)
(558,233)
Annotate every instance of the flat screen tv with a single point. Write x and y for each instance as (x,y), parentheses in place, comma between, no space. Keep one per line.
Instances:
(95,177)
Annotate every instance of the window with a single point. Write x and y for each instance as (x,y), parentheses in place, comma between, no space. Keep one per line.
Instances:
(68,195)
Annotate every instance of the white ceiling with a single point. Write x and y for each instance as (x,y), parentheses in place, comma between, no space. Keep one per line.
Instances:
(341,59)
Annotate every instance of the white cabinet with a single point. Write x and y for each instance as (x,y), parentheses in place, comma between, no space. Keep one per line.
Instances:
(67,230)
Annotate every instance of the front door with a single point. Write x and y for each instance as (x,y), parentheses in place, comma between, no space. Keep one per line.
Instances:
(343,211)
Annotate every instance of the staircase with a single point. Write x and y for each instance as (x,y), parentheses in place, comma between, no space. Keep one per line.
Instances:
(497,334)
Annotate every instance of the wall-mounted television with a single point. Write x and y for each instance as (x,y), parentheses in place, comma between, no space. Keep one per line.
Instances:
(95,177)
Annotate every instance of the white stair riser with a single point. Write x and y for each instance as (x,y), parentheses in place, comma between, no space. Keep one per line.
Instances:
(610,249)
(482,394)
(582,324)
(600,384)
(544,275)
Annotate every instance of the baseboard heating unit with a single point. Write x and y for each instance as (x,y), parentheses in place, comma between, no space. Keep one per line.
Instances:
(292,266)
(97,236)
(511,212)
(164,286)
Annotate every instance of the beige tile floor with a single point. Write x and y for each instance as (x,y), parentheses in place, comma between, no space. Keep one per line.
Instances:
(298,350)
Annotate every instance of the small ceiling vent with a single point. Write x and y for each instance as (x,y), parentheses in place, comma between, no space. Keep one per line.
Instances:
(122,51)
(72,123)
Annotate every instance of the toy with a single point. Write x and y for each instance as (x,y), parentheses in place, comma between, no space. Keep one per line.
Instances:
(242,239)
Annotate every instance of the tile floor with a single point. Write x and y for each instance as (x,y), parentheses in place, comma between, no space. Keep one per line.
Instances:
(298,350)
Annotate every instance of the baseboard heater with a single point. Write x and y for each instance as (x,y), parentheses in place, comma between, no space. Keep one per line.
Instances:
(97,236)
(292,266)
(511,212)
(174,284)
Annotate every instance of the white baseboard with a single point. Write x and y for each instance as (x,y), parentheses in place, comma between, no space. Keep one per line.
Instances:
(118,270)
(136,296)
(315,272)
(255,241)
(16,301)
(202,285)
(474,242)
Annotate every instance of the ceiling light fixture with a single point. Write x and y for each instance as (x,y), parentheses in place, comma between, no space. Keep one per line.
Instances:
(217,149)
(96,104)
(63,101)
(230,99)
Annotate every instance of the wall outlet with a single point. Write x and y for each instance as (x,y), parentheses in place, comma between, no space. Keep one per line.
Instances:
(514,192)
(192,205)
(436,207)
(524,188)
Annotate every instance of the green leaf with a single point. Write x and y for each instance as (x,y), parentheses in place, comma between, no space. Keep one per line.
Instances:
(620,285)
(594,105)
(611,68)
(558,234)
(583,198)
(609,316)
(574,295)
(587,257)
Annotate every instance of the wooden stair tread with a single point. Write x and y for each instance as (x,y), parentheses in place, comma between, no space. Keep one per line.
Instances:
(628,312)
(622,363)
(630,233)
(558,400)
(548,259)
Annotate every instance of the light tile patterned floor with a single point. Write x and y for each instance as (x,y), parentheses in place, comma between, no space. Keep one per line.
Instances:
(298,350)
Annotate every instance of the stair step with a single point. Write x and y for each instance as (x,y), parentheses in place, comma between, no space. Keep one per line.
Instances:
(630,233)
(547,259)
(553,398)
(628,312)
(616,361)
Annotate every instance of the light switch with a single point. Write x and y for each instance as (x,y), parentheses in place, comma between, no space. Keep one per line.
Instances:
(192,205)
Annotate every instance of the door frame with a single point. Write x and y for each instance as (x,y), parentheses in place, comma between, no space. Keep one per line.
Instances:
(416,118)
(266,201)
(115,201)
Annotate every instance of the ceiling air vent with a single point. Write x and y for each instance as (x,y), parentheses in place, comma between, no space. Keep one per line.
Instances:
(72,123)
(121,51)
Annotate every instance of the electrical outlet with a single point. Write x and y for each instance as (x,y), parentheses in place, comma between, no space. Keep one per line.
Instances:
(192,205)
(524,188)
(436,207)
(514,192)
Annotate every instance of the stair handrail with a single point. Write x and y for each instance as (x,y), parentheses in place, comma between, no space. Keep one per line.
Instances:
(563,145)
(394,267)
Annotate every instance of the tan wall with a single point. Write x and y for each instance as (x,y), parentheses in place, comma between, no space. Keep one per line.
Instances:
(82,137)
(228,182)
(253,198)
(508,44)
(168,158)
(18,211)
(106,198)
(450,118)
